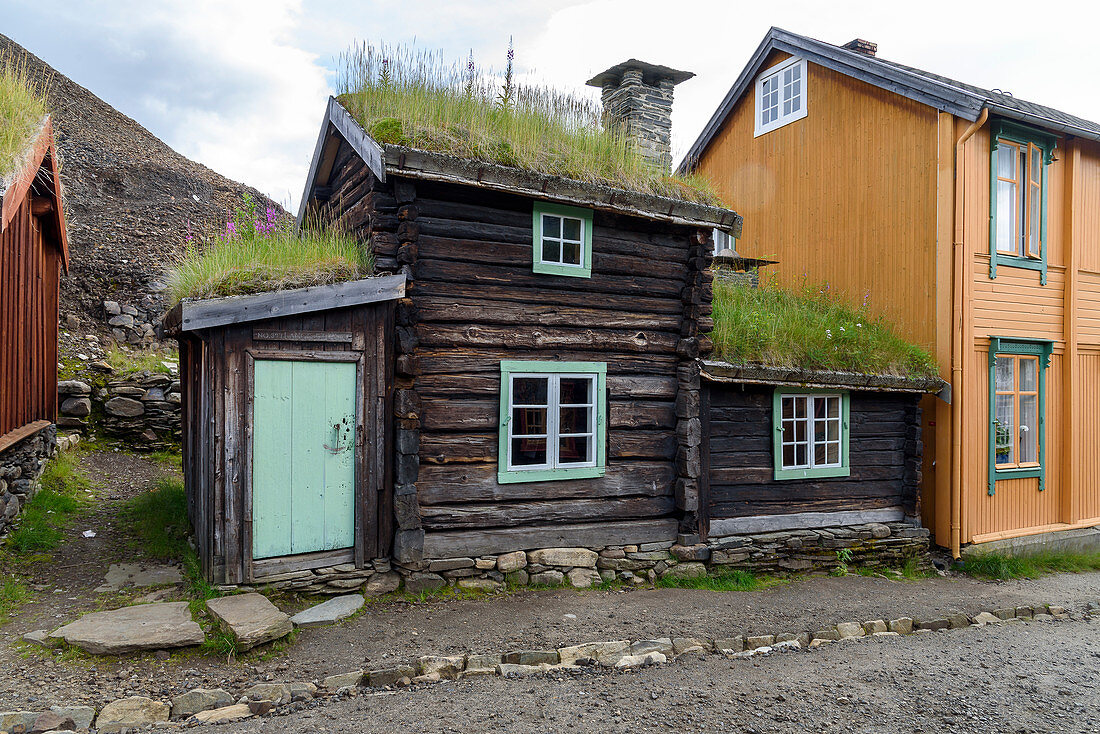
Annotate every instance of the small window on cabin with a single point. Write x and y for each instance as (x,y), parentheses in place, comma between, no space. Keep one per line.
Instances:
(780,95)
(722,241)
(562,240)
(811,434)
(553,420)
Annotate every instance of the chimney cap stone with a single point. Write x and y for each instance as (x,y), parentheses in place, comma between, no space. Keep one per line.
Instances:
(651,73)
(859,45)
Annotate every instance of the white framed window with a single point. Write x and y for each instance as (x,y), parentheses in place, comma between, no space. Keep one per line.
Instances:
(722,241)
(562,240)
(553,420)
(811,434)
(780,95)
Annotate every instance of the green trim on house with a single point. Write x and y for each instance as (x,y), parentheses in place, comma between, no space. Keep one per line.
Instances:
(1028,347)
(507,368)
(1005,130)
(572,271)
(844,469)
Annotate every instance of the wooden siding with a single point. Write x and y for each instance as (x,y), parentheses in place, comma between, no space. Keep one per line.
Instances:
(846,195)
(474,301)
(884,456)
(29,272)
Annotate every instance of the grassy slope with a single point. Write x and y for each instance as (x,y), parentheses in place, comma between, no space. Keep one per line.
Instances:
(809,329)
(420,102)
(21,109)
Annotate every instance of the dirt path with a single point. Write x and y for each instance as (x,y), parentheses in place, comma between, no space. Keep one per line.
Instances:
(1026,679)
(396,630)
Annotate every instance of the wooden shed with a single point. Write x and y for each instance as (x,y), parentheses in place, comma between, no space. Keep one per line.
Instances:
(287,449)
(33,249)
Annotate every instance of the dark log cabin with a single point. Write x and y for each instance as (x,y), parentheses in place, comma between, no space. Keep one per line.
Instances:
(33,249)
(542,398)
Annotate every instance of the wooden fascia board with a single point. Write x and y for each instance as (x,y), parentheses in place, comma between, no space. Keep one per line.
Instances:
(724,372)
(339,120)
(425,165)
(193,315)
(943,97)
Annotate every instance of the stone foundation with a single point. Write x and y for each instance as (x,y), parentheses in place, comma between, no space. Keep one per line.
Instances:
(143,409)
(21,466)
(875,545)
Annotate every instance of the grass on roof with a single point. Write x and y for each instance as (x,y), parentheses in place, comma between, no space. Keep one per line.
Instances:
(416,100)
(263,251)
(22,108)
(812,327)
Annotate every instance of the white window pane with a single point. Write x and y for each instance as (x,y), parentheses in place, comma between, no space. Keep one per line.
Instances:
(551,251)
(575,391)
(1006,161)
(787,107)
(571,253)
(1028,376)
(529,390)
(574,420)
(1036,221)
(832,456)
(788,408)
(1029,428)
(1005,373)
(575,450)
(571,228)
(1005,427)
(529,421)
(528,451)
(1006,216)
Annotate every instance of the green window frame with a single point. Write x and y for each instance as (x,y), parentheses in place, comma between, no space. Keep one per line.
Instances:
(1040,349)
(804,403)
(557,248)
(1002,135)
(551,411)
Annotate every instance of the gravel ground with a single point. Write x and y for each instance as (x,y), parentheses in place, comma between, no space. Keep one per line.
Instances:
(1023,678)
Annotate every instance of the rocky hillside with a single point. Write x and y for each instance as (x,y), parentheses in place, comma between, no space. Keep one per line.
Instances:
(128,201)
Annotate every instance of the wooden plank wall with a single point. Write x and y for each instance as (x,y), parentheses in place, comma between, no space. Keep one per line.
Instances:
(884,450)
(29,272)
(472,302)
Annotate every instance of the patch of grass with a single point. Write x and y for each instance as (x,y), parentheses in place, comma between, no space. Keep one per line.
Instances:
(416,99)
(50,510)
(1001,566)
(724,580)
(126,361)
(265,251)
(169,459)
(13,592)
(22,107)
(219,643)
(158,518)
(809,328)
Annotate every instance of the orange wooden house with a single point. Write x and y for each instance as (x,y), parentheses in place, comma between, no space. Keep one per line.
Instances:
(877,178)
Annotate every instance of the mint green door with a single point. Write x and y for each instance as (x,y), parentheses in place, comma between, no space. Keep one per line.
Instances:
(303,457)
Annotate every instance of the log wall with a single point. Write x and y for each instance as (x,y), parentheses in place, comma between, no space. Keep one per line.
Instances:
(473,301)
(884,455)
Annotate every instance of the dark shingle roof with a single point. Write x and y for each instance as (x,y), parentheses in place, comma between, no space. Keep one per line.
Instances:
(958,98)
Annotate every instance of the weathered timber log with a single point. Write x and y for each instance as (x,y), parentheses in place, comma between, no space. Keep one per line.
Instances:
(487,275)
(442,360)
(596,316)
(503,540)
(546,512)
(478,448)
(487,385)
(487,335)
(552,297)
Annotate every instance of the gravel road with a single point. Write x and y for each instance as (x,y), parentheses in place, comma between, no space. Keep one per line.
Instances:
(1022,678)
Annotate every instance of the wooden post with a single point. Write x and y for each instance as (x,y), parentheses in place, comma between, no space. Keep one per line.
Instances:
(1071,493)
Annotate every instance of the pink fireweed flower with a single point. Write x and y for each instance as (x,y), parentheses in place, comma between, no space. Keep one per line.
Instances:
(230,229)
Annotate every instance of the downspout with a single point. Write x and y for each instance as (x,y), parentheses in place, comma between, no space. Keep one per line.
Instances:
(959,272)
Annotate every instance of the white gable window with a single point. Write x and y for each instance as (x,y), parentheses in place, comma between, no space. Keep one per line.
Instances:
(780,95)
(722,241)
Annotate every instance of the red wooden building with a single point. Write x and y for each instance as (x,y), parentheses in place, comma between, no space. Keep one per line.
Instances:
(33,249)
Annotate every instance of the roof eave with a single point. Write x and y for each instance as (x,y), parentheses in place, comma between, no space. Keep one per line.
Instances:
(41,153)
(759,374)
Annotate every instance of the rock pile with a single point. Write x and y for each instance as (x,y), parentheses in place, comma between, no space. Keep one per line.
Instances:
(21,466)
(132,326)
(142,409)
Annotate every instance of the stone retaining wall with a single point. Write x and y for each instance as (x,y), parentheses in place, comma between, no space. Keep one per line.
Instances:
(874,545)
(21,466)
(142,409)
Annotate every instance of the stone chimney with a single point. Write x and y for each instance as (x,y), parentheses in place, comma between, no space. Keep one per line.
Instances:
(861,47)
(637,97)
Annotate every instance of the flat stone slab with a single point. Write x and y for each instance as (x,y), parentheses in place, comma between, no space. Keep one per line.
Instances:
(132,629)
(250,618)
(329,612)
(139,575)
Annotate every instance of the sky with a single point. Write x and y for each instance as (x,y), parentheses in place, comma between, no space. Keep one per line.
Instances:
(240,85)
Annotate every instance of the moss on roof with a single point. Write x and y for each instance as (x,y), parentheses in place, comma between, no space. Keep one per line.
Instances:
(415,100)
(812,328)
(22,108)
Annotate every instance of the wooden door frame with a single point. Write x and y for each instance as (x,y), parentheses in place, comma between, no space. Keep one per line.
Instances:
(282,564)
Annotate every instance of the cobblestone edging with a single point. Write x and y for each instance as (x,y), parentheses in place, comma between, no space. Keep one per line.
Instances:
(21,467)
(142,409)
(875,545)
(202,705)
